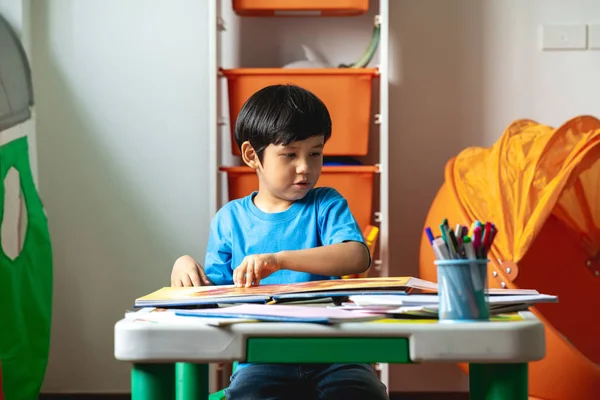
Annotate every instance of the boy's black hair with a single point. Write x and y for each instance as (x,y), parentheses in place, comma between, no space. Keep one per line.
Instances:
(281,114)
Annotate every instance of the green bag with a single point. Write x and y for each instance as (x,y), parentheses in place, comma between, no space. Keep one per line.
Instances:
(25,287)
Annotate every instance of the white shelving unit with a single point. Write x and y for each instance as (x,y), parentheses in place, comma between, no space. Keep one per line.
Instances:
(259,42)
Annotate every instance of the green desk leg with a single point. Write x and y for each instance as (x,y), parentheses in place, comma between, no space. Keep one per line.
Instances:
(153,382)
(498,381)
(191,381)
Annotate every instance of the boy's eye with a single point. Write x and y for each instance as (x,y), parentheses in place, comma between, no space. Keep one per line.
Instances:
(317,154)
(289,155)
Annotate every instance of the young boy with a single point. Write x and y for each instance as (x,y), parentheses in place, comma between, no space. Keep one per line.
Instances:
(286,232)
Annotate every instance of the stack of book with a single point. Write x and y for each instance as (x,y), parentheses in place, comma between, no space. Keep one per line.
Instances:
(427,305)
(340,300)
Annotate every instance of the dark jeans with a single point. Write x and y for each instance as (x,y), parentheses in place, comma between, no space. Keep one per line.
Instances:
(306,381)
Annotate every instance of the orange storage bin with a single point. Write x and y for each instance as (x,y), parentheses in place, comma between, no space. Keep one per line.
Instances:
(345,91)
(355,183)
(300,7)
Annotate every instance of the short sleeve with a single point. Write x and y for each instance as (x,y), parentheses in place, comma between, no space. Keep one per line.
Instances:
(217,263)
(336,222)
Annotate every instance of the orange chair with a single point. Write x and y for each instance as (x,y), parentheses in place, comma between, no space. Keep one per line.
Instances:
(541,187)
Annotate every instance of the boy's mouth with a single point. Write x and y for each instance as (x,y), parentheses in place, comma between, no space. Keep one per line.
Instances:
(301,184)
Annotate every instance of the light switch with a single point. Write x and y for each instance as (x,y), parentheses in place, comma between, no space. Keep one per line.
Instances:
(564,37)
(594,36)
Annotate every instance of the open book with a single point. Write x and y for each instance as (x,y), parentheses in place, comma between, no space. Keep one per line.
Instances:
(205,295)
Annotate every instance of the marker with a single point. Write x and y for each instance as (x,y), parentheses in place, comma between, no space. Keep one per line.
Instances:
(471,229)
(446,224)
(458,235)
(477,240)
(429,235)
(440,249)
(485,240)
(446,237)
(469,250)
(454,244)
(465,231)
(444,232)
(458,231)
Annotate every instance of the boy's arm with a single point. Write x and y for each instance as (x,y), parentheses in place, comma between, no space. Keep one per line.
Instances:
(334,260)
(344,247)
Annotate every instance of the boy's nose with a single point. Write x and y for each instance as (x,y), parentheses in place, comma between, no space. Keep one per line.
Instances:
(302,168)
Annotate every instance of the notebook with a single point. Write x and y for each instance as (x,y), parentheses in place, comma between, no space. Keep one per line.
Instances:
(283,313)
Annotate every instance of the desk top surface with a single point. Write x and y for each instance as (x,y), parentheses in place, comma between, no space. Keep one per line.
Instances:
(520,338)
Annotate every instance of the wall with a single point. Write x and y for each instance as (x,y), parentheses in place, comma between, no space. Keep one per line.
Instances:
(461,72)
(122,121)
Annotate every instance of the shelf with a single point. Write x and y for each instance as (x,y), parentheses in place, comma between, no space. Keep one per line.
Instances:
(275,40)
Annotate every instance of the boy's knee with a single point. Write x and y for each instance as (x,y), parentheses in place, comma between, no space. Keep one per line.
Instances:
(246,383)
(357,381)
(262,381)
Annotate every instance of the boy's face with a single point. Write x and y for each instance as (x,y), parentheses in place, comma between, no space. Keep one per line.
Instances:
(289,172)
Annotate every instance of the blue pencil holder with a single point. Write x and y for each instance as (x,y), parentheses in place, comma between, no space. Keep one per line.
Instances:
(462,290)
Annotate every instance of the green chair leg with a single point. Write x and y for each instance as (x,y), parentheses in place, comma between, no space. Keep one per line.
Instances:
(498,381)
(153,382)
(191,381)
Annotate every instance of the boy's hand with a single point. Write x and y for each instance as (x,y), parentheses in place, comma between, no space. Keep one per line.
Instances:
(253,268)
(188,272)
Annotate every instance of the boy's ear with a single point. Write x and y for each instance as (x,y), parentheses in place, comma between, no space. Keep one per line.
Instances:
(249,155)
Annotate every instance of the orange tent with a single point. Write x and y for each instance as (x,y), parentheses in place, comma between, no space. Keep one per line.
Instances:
(541,187)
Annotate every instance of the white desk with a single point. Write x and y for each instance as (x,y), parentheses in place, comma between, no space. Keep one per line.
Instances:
(179,350)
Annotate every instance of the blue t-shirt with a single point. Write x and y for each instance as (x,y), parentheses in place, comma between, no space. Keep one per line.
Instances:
(240,229)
